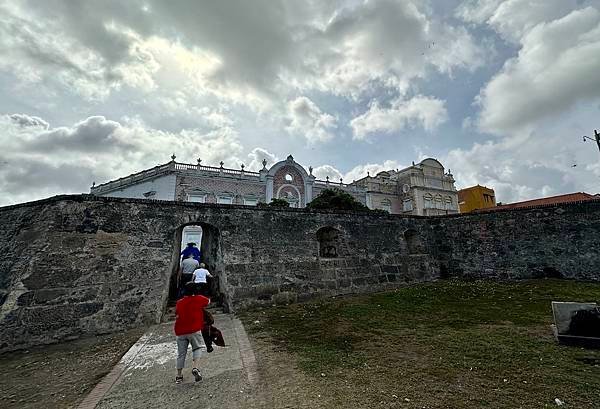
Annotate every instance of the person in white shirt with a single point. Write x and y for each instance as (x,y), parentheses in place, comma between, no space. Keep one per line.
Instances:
(199,278)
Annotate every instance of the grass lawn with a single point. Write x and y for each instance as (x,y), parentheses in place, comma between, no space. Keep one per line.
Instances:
(448,344)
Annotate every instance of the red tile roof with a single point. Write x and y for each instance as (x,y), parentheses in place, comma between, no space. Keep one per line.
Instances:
(567,198)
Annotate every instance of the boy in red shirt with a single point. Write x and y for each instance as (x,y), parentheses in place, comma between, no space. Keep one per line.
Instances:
(189,320)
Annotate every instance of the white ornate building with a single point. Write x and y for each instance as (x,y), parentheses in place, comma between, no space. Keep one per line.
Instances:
(422,189)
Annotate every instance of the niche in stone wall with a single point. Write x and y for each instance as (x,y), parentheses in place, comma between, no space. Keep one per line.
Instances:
(329,242)
(414,244)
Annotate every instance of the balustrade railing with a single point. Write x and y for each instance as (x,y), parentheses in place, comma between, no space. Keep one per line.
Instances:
(188,166)
(164,168)
(330,184)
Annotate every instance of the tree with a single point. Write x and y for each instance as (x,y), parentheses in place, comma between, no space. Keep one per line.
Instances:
(336,199)
(275,203)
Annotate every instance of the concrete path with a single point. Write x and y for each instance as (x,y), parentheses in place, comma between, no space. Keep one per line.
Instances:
(145,376)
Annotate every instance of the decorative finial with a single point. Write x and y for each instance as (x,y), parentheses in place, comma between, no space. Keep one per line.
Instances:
(173,157)
(242,166)
(199,161)
(413,163)
(327,178)
(368,174)
(264,162)
(290,158)
(93,184)
(221,163)
(341,181)
(310,169)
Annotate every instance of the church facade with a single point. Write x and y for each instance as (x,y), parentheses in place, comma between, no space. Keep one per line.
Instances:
(288,180)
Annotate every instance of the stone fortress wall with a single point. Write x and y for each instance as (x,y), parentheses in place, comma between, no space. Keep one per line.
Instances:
(80,265)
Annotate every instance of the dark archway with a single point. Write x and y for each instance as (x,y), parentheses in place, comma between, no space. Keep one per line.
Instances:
(211,255)
(414,244)
(329,242)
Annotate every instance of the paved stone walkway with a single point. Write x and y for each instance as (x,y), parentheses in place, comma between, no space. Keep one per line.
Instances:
(145,376)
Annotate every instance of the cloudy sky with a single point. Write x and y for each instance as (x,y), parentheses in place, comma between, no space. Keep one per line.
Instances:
(500,91)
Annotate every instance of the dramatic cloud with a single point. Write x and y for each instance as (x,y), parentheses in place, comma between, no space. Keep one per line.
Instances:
(425,111)
(555,68)
(103,89)
(40,161)
(237,48)
(307,120)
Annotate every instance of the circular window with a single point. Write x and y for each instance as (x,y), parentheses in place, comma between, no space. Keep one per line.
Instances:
(288,177)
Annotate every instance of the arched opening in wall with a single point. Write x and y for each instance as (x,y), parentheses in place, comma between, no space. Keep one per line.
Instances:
(414,244)
(329,242)
(207,240)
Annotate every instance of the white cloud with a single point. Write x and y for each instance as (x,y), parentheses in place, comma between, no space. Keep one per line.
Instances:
(557,66)
(321,173)
(477,11)
(39,161)
(427,112)
(357,172)
(512,19)
(361,171)
(307,120)
(26,120)
(529,164)
(257,155)
(379,43)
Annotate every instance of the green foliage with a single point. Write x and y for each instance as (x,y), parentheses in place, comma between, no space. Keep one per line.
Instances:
(275,203)
(335,199)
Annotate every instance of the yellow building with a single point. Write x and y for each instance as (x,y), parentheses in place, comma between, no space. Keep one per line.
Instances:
(476,197)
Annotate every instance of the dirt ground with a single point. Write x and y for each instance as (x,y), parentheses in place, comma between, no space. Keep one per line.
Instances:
(60,376)
(282,384)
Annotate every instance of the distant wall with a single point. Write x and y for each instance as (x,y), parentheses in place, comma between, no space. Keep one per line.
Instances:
(76,265)
(81,265)
(547,241)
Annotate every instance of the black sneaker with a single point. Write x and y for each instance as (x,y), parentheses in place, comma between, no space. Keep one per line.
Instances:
(209,349)
(178,379)
(196,374)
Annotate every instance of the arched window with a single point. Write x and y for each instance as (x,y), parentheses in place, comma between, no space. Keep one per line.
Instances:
(413,242)
(329,242)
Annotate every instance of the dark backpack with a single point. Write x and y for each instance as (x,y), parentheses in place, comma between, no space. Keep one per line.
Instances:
(585,323)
